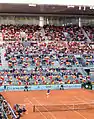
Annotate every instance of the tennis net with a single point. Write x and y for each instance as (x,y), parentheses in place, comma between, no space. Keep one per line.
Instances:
(63,107)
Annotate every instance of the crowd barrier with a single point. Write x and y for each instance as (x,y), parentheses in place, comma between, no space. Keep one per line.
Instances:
(11,110)
(41,87)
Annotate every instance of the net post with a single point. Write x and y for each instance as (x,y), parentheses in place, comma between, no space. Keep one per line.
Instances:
(33,108)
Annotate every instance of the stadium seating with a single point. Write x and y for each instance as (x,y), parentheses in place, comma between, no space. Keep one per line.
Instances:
(31,32)
(5,109)
(50,67)
(70,33)
(90,32)
(45,56)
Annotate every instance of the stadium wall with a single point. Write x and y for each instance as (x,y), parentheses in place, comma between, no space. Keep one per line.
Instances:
(54,20)
(92,87)
(41,87)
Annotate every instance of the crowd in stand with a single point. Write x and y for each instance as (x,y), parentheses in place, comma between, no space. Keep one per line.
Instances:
(70,33)
(19,110)
(34,32)
(41,63)
(50,54)
(18,32)
(90,32)
(6,112)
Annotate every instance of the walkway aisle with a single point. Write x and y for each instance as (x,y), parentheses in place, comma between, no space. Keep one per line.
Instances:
(3,61)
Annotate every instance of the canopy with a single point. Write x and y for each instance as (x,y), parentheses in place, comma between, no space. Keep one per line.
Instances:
(53,2)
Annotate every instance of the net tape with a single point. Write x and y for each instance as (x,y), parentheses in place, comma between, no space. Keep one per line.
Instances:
(63,107)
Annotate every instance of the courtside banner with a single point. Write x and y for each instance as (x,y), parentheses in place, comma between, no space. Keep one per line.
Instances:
(92,87)
(33,87)
(41,87)
(72,86)
(1,88)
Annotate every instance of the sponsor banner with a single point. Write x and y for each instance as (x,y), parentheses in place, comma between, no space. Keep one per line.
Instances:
(1,88)
(41,87)
(14,88)
(72,86)
(33,87)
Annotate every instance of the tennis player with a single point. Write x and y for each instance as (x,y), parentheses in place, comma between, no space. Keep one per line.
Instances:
(48,93)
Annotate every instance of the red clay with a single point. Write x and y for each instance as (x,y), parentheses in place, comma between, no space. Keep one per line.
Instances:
(56,97)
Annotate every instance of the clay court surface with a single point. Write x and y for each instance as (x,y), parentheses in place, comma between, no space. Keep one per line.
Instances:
(56,97)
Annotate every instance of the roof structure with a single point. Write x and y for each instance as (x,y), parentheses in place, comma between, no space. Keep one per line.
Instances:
(45,7)
(53,2)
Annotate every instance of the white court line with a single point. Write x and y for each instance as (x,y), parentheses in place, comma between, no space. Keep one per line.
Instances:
(37,109)
(24,104)
(29,101)
(85,100)
(45,108)
(79,99)
(88,100)
(78,113)
(64,100)
(82,98)
(26,111)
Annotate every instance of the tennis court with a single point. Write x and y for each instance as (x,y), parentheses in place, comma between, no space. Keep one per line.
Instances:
(61,104)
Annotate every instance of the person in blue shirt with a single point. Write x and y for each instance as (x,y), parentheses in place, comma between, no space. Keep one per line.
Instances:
(48,92)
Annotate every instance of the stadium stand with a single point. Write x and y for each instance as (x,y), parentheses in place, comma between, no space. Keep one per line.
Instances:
(25,65)
(59,50)
(57,54)
(6,111)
